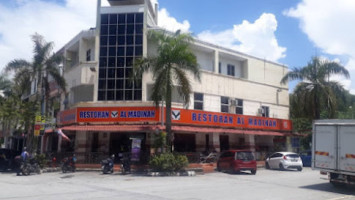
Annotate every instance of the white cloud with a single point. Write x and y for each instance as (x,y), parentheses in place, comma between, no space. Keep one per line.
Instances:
(57,23)
(329,25)
(170,23)
(256,38)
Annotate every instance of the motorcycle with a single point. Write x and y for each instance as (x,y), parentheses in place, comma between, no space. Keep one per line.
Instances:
(107,165)
(68,164)
(29,167)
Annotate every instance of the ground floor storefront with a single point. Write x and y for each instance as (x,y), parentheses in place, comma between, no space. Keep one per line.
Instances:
(94,133)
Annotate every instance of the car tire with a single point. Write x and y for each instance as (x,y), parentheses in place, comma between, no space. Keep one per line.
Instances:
(282,168)
(299,168)
(253,171)
(267,166)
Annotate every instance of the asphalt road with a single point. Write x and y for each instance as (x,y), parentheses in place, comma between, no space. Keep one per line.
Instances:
(266,184)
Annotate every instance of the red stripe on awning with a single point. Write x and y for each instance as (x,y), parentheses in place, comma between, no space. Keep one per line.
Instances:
(186,129)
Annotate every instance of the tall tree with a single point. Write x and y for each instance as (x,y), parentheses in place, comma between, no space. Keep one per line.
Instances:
(44,63)
(172,63)
(316,91)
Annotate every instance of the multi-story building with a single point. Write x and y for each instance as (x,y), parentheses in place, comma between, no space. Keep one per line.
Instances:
(239,102)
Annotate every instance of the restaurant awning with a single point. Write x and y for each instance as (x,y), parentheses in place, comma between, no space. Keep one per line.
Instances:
(183,129)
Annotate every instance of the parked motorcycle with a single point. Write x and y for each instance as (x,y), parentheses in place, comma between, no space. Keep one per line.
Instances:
(107,165)
(29,167)
(68,164)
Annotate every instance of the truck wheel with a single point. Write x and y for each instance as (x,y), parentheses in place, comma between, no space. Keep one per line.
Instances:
(218,167)
(299,168)
(253,171)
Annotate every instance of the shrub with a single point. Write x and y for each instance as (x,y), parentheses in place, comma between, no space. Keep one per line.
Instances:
(41,159)
(168,162)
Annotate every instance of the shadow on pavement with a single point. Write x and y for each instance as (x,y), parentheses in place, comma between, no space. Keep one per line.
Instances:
(327,187)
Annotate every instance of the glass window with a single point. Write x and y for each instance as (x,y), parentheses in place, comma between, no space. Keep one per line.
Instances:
(225,104)
(104,19)
(103,62)
(139,28)
(128,95)
(230,70)
(129,61)
(103,51)
(138,51)
(139,18)
(112,51)
(121,19)
(220,68)
(102,95)
(129,84)
(112,41)
(113,19)
(102,73)
(102,84)
(139,39)
(112,62)
(130,29)
(128,72)
(138,95)
(129,40)
(111,72)
(110,84)
(113,29)
(119,95)
(198,101)
(129,51)
(121,40)
(120,51)
(120,62)
(88,55)
(130,18)
(104,29)
(110,95)
(265,111)
(103,40)
(120,83)
(239,106)
(121,29)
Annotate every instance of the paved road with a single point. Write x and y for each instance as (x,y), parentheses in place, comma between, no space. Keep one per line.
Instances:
(267,184)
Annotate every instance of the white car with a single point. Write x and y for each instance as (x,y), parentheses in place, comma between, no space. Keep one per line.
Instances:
(284,160)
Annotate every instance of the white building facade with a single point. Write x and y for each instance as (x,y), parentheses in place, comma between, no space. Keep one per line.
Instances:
(239,102)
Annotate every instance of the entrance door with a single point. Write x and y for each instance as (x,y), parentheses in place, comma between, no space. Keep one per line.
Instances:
(224,142)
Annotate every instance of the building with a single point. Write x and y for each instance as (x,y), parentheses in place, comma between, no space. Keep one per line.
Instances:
(239,102)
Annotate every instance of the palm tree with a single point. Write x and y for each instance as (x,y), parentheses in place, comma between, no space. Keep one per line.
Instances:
(173,62)
(316,91)
(44,63)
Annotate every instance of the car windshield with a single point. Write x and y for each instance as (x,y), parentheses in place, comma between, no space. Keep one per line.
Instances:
(292,155)
(244,155)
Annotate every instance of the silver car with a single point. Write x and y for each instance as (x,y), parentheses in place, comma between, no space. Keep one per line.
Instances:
(284,160)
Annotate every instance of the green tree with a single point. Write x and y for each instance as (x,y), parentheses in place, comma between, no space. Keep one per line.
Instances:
(44,63)
(316,92)
(172,63)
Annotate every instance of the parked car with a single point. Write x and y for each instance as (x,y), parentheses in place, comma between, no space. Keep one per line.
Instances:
(237,160)
(7,159)
(306,158)
(284,160)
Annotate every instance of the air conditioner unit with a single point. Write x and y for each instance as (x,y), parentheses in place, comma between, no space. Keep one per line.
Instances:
(233,102)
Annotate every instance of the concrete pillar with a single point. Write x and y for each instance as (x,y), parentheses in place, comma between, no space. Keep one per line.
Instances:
(216,61)
(200,142)
(288,144)
(82,145)
(250,142)
(215,142)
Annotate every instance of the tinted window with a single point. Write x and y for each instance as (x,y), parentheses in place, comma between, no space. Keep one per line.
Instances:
(292,155)
(276,155)
(245,156)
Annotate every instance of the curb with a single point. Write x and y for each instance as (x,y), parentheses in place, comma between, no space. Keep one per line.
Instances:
(187,173)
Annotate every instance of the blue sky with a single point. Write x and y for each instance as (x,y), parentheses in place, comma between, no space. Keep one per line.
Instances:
(289,32)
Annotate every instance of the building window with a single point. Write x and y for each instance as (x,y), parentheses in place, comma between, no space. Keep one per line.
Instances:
(225,104)
(265,111)
(198,101)
(230,70)
(220,68)
(121,39)
(239,106)
(88,55)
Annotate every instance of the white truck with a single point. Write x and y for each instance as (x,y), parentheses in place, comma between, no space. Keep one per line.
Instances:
(333,149)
